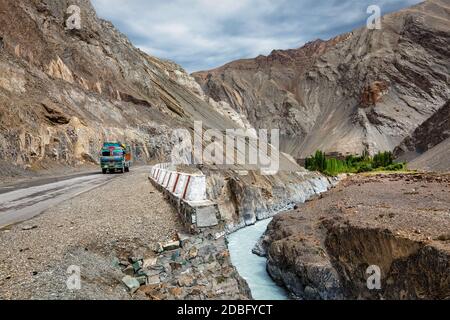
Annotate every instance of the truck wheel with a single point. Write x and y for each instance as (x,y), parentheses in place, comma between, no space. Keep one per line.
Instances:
(104,171)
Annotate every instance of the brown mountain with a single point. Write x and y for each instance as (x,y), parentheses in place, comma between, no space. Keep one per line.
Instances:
(63,92)
(368,89)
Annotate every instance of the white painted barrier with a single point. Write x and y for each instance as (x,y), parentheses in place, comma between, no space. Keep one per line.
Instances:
(189,187)
(179,188)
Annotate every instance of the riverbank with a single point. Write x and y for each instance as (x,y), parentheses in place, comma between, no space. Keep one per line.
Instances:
(397,223)
(248,254)
(251,267)
(236,205)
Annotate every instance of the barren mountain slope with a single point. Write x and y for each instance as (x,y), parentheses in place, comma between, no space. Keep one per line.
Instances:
(62,92)
(429,134)
(365,89)
(436,159)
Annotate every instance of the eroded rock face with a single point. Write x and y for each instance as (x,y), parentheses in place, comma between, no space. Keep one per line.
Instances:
(415,270)
(323,250)
(373,93)
(63,92)
(369,88)
(245,199)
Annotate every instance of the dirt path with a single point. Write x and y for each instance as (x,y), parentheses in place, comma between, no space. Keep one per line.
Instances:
(125,217)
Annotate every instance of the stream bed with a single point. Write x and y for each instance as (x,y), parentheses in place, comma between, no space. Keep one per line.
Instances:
(252,267)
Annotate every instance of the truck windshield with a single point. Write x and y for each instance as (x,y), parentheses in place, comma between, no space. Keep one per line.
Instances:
(106,153)
(118,153)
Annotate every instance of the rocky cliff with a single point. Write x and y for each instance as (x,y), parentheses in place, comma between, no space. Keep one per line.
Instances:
(329,247)
(368,89)
(243,200)
(63,92)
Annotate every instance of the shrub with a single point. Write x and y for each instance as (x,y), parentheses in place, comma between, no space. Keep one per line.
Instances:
(353,164)
(365,167)
(396,167)
(383,159)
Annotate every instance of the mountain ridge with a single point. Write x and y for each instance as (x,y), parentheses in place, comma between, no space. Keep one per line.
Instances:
(63,92)
(369,89)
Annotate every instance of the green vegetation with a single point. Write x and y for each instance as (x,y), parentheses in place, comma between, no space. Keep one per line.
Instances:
(382,161)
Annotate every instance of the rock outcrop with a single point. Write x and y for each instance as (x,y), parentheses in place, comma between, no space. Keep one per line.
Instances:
(328,248)
(368,89)
(243,200)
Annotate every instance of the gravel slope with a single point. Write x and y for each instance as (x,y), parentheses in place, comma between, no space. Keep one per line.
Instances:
(436,159)
(123,218)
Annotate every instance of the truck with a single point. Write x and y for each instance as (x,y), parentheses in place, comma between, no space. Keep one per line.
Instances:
(115,156)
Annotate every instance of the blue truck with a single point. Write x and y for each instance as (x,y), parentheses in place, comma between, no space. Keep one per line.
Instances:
(115,156)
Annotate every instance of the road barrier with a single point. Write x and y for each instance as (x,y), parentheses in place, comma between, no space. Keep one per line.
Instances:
(186,186)
(186,192)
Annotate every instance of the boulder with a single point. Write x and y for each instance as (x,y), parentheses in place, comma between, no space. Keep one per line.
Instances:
(171,246)
(131,283)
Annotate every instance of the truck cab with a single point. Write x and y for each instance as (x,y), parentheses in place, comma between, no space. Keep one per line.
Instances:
(115,156)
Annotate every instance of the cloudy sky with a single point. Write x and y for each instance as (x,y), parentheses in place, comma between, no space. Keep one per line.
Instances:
(204,34)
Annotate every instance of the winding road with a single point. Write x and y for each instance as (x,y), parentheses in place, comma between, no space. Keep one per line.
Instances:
(26,200)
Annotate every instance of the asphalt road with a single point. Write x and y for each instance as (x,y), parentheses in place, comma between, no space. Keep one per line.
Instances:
(26,200)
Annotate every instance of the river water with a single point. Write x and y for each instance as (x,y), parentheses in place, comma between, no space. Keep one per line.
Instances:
(252,267)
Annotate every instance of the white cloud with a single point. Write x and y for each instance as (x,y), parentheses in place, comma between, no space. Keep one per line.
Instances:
(203,34)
